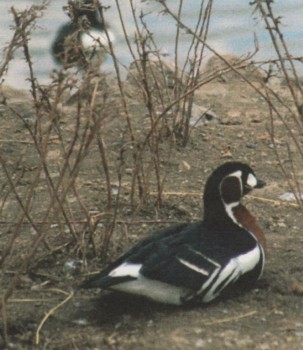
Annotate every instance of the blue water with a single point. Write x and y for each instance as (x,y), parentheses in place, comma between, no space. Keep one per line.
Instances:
(232,29)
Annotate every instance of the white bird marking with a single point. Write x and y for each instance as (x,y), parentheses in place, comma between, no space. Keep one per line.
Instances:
(237,267)
(126,269)
(237,174)
(194,267)
(251,181)
(205,257)
(229,210)
(95,38)
(155,290)
(229,207)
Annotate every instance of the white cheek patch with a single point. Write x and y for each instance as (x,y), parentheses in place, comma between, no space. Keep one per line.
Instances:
(251,181)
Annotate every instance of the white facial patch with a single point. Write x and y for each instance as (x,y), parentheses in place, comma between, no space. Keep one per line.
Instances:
(237,174)
(230,202)
(251,181)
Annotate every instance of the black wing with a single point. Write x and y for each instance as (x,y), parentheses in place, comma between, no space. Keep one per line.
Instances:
(137,254)
(190,258)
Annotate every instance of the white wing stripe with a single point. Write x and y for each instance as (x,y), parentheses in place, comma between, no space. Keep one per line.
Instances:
(194,267)
(205,257)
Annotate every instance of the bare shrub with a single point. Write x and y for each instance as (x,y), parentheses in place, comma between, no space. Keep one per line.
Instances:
(44,195)
(290,113)
(44,210)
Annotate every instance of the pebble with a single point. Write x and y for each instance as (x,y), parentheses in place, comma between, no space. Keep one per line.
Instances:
(81,322)
(200,343)
(251,145)
(289,196)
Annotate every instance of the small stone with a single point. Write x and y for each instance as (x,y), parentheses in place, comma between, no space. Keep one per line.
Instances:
(185,165)
(251,145)
(226,154)
(200,343)
(81,322)
(297,288)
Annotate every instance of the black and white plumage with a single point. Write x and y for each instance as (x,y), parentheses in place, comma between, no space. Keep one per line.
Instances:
(196,261)
(84,40)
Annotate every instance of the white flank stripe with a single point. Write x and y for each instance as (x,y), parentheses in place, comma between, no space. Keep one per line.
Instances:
(194,267)
(126,269)
(155,290)
(248,261)
(209,281)
(232,271)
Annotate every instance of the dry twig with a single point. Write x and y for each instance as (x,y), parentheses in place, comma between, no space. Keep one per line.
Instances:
(51,312)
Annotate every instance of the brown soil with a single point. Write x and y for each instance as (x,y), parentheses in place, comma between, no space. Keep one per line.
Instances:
(268,317)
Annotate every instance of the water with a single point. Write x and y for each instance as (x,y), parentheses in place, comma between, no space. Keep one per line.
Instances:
(231,30)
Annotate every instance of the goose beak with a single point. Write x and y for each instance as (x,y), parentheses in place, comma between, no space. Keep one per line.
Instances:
(260,183)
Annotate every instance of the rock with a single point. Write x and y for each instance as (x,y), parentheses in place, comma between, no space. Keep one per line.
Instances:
(216,65)
(160,74)
(198,115)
